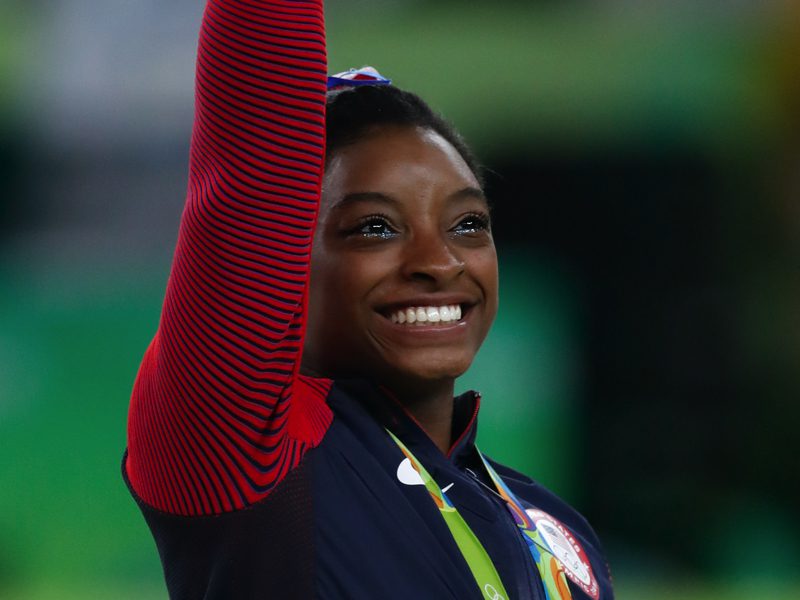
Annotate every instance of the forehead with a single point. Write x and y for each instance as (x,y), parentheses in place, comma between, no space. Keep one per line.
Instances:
(397,161)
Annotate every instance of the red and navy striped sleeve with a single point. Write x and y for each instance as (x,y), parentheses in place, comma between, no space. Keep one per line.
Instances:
(219,414)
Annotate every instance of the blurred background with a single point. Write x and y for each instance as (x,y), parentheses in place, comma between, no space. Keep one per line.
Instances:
(644,163)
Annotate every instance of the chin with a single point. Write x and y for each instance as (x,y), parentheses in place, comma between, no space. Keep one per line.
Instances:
(426,369)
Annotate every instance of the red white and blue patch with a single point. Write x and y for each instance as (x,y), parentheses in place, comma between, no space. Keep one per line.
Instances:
(567,550)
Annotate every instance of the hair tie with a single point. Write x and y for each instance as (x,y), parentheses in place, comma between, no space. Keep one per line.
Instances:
(357,77)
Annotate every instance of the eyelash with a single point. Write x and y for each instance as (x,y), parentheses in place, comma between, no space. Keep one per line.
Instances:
(480,222)
(372,220)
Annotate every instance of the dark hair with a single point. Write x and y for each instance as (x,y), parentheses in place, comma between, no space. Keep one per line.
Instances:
(353,111)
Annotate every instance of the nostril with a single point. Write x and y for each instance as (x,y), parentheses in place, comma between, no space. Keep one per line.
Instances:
(436,271)
(422,276)
(431,259)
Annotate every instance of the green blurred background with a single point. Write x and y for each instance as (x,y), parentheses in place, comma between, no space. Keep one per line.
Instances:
(645,168)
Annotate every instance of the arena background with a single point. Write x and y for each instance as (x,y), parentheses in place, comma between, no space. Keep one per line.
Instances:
(645,169)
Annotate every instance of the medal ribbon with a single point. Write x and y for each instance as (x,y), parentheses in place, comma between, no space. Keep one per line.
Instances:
(550,568)
(481,566)
(473,551)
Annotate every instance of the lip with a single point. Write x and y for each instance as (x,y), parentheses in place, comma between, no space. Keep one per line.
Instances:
(417,333)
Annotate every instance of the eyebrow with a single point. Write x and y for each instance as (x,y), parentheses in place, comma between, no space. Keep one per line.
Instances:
(469,192)
(358,197)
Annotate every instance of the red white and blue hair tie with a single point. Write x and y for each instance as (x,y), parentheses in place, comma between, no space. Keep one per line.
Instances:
(357,77)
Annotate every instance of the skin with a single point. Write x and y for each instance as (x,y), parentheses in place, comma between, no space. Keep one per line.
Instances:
(402,223)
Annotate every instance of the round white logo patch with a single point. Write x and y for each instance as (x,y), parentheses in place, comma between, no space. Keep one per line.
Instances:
(567,550)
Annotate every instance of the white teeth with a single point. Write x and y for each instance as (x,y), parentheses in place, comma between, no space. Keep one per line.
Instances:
(422,315)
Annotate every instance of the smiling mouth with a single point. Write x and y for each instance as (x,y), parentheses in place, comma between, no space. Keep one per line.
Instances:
(426,315)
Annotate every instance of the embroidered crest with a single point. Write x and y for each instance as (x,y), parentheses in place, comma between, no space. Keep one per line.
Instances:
(567,550)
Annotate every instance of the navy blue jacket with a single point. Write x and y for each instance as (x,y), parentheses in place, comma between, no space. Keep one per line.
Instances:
(342,525)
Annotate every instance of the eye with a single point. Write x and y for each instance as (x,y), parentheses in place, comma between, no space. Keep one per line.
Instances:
(374,226)
(472,223)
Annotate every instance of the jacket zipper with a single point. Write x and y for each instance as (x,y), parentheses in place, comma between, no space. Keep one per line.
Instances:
(535,585)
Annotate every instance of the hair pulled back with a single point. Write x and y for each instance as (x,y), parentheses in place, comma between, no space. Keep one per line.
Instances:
(353,112)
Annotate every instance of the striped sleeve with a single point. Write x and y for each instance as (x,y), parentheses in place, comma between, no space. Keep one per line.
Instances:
(218,413)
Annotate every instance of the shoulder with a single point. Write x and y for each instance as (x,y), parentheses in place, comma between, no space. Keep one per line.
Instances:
(566,530)
(536,495)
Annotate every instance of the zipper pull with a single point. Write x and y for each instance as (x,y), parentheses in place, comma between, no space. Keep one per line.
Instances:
(475,476)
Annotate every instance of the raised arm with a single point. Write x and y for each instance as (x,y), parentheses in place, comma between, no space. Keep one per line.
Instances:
(215,420)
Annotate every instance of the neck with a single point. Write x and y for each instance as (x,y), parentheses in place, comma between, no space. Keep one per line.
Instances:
(433,410)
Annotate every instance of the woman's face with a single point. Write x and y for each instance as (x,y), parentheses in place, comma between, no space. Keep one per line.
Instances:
(403,231)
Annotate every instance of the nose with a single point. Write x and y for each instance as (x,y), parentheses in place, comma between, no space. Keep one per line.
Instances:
(430,256)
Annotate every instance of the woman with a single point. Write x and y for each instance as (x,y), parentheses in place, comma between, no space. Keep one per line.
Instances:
(288,441)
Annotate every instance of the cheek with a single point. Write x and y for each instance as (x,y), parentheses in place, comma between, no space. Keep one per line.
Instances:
(342,281)
(319,290)
(484,269)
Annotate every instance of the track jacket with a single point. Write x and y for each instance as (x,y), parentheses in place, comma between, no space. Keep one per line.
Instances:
(257,481)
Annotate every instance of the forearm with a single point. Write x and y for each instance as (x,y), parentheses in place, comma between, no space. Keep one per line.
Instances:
(214,388)
(256,163)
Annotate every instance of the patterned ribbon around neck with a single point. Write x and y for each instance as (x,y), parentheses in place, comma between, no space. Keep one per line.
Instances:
(483,570)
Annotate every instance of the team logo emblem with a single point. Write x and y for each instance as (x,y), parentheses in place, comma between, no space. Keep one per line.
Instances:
(407,474)
(567,550)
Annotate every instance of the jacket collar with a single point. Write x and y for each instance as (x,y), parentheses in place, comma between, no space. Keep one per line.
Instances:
(384,408)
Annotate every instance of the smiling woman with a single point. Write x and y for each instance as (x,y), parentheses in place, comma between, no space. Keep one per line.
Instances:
(293,431)
(403,232)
